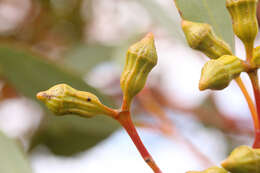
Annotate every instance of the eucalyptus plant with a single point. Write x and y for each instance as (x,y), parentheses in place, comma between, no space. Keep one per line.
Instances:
(217,73)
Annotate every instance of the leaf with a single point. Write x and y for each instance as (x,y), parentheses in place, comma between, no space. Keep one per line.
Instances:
(12,158)
(83,58)
(213,12)
(69,134)
(29,73)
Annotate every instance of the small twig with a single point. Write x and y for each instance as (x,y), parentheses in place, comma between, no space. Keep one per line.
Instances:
(125,120)
(251,105)
(254,80)
(249,102)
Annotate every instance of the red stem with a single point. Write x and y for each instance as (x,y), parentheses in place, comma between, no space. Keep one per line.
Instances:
(125,120)
(254,80)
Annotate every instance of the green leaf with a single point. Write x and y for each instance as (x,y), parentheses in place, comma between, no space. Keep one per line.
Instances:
(29,73)
(69,135)
(12,157)
(83,58)
(213,12)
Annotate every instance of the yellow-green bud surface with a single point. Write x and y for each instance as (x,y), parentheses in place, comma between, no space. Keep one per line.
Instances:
(255,61)
(140,59)
(200,36)
(217,74)
(243,159)
(62,99)
(214,169)
(243,14)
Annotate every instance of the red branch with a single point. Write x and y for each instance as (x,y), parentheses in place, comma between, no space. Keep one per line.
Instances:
(125,120)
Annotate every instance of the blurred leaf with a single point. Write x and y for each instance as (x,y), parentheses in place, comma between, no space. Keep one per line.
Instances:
(158,14)
(83,58)
(12,158)
(213,12)
(69,134)
(29,73)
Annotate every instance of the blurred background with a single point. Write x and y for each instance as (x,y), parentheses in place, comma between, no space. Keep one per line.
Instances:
(83,43)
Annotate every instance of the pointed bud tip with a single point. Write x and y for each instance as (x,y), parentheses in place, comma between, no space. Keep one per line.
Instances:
(149,35)
(202,86)
(148,39)
(185,23)
(225,163)
(41,96)
(146,44)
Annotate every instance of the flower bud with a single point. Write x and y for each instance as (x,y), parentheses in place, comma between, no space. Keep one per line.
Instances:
(243,159)
(216,74)
(140,59)
(255,61)
(213,169)
(62,99)
(243,14)
(200,36)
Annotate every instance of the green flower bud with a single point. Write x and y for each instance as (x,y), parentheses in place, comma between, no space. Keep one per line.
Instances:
(243,159)
(62,99)
(213,169)
(255,61)
(200,36)
(140,59)
(216,74)
(243,14)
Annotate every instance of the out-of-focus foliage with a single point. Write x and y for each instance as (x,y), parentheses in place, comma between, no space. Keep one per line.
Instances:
(211,12)
(69,134)
(12,158)
(84,57)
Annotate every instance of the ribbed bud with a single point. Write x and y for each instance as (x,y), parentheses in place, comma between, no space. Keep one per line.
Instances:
(214,169)
(217,74)
(243,14)
(62,99)
(255,61)
(200,36)
(140,59)
(243,159)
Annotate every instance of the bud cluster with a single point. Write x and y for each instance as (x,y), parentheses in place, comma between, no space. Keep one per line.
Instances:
(141,57)
(224,67)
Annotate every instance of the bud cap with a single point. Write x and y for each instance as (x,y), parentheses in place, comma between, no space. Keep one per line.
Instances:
(140,59)
(243,14)
(217,74)
(62,99)
(243,159)
(200,36)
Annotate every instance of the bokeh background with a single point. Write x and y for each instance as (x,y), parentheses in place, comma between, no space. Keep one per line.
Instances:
(83,43)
